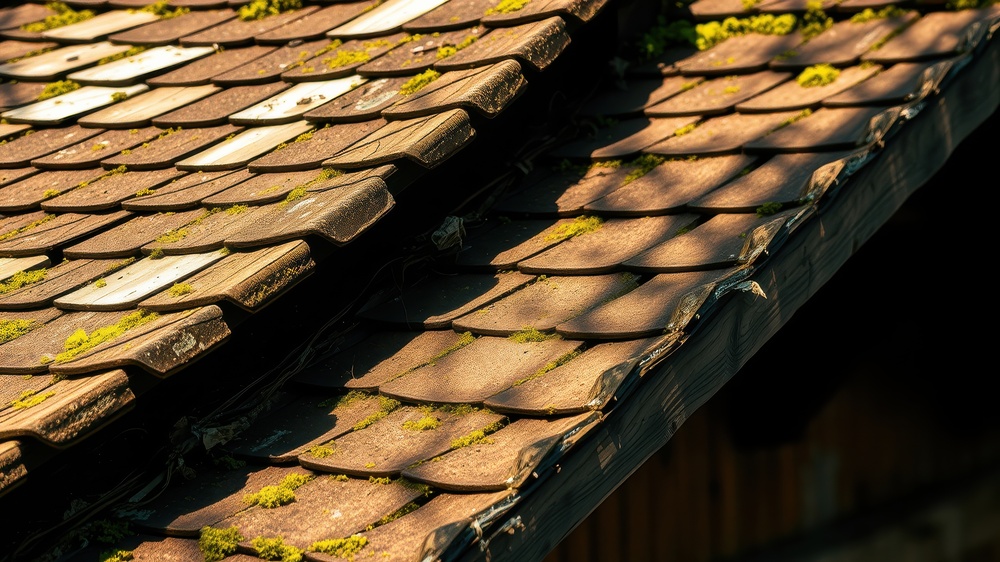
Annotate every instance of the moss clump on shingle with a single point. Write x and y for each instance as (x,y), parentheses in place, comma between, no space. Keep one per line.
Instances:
(425,423)
(769,208)
(528,335)
(869,14)
(818,75)
(12,329)
(80,341)
(408,508)
(507,7)
(21,279)
(30,398)
(419,82)
(63,16)
(479,436)
(346,548)
(579,226)
(58,88)
(710,34)
(465,339)
(216,544)
(641,166)
(161,8)
(386,405)
(260,9)
(815,20)
(119,56)
(548,367)
(116,556)
(278,495)
(445,51)
(180,289)
(276,549)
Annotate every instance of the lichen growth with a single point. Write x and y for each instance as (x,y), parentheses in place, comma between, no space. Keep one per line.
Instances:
(446,51)
(30,398)
(145,192)
(277,495)
(156,254)
(180,289)
(818,75)
(507,7)
(419,82)
(577,227)
(58,88)
(13,329)
(98,147)
(22,279)
(346,548)
(276,549)
(216,544)
(380,481)
(63,16)
(80,341)
(260,9)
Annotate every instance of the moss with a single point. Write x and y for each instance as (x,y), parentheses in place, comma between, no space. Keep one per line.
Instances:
(13,329)
(408,508)
(58,88)
(98,147)
(815,20)
(145,192)
(320,451)
(180,289)
(730,90)
(479,436)
(427,422)
(346,57)
(100,283)
(818,75)
(369,465)
(30,398)
(579,226)
(64,16)
(156,254)
(162,9)
(709,34)
(278,495)
(119,56)
(419,82)
(446,51)
(769,208)
(228,462)
(116,556)
(655,41)
(548,367)
(216,544)
(22,279)
(386,405)
(507,7)
(276,549)
(119,96)
(295,194)
(869,14)
(750,4)
(685,129)
(260,9)
(118,265)
(528,335)
(81,342)
(382,481)
(642,166)
(339,477)
(465,339)
(346,548)
(800,115)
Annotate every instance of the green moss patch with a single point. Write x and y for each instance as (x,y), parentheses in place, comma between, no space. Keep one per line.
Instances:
(216,544)
(22,279)
(507,7)
(818,75)
(281,494)
(81,342)
(64,15)
(13,329)
(346,548)
(276,549)
(419,82)
(58,88)
(29,399)
(386,405)
(478,436)
(260,9)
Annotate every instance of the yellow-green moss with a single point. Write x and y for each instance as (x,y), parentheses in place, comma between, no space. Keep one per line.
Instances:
(276,549)
(58,88)
(118,265)
(13,329)
(64,16)
(346,57)
(818,75)
(386,405)
(579,226)
(145,192)
(50,193)
(320,451)
(507,7)
(869,14)
(180,289)
(408,508)
(346,548)
(463,340)
(162,9)
(446,51)
(100,283)
(156,254)
(119,96)
(116,556)
(418,82)
(641,166)
(685,129)
(383,481)
(30,398)
(119,56)
(709,34)
(529,334)
(750,4)
(815,20)
(22,279)
(477,437)
(548,367)
(730,90)
(98,147)
(339,477)
(427,422)
(81,342)
(280,494)
(260,9)
(216,544)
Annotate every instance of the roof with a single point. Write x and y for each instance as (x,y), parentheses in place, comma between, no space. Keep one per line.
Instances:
(495,277)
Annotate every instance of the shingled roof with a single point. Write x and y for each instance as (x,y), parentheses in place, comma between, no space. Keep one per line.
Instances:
(495,253)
